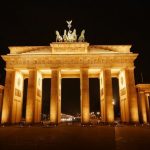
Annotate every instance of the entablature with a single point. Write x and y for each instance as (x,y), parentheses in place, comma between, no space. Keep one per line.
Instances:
(143,88)
(72,60)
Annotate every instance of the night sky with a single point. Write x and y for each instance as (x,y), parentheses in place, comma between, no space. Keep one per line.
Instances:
(105,22)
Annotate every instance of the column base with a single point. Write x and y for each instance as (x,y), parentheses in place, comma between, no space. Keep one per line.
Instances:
(53,124)
(85,123)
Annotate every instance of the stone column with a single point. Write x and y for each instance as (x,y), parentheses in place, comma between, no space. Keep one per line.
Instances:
(148,107)
(131,95)
(59,98)
(8,96)
(38,98)
(107,109)
(34,97)
(142,105)
(1,100)
(85,106)
(55,102)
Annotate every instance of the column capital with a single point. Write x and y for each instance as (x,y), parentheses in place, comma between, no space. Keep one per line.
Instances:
(84,68)
(32,69)
(54,68)
(130,68)
(9,69)
(1,87)
(106,68)
(141,92)
(126,68)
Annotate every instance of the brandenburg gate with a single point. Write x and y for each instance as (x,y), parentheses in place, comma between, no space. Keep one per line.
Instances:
(69,59)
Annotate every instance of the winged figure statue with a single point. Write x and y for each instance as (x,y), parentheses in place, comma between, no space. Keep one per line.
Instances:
(69,24)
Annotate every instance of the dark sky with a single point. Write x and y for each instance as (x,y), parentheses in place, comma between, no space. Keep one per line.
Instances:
(105,21)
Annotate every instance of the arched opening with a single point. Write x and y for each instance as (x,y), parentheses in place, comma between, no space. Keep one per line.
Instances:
(94,95)
(46,95)
(70,100)
(116,99)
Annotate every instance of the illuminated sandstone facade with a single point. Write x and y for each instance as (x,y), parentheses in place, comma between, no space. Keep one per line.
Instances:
(69,60)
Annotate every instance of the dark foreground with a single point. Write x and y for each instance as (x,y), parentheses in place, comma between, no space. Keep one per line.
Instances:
(75,137)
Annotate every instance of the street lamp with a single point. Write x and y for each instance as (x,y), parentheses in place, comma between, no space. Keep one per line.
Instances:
(113,102)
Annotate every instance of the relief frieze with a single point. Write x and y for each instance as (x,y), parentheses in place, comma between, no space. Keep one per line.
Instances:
(70,59)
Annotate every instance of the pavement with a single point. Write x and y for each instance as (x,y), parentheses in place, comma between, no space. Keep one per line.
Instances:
(77,137)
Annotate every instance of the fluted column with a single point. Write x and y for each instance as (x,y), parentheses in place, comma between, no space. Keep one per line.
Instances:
(131,95)
(55,102)
(31,96)
(59,98)
(148,107)
(38,99)
(85,106)
(142,102)
(8,96)
(107,110)
(1,100)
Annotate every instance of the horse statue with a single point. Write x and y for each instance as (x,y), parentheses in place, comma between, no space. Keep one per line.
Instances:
(70,39)
(58,37)
(82,37)
(74,35)
(65,37)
